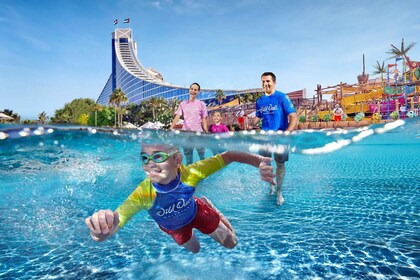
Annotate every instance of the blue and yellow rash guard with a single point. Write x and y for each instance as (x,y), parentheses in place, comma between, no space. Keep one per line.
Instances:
(172,206)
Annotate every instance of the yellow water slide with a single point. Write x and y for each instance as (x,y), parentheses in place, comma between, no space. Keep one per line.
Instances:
(359,102)
(355,103)
(362,97)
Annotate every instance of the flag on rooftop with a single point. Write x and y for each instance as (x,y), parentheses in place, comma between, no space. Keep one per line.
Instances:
(127,20)
(116,22)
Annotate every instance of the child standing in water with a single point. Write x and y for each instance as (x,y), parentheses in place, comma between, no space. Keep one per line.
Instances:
(168,195)
(218,126)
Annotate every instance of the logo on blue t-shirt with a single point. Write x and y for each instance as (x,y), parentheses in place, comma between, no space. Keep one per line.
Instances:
(274,111)
(268,109)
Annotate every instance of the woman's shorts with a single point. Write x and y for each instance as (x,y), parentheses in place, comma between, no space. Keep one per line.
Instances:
(206,220)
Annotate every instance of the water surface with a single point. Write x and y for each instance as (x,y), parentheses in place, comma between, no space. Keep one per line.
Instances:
(351,207)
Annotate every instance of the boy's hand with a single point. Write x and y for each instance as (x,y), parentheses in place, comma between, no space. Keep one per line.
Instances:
(102,224)
(266,171)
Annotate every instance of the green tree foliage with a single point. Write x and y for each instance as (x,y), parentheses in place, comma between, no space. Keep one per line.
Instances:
(155,103)
(164,110)
(220,95)
(10,113)
(164,113)
(73,110)
(105,117)
(248,97)
(240,98)
(117,98)
(137,114)
(380,69)
(26,121)
(95,108)
(400,52)
(42,117)
(83,119)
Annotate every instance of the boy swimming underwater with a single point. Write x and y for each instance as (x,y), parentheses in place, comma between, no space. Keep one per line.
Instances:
(168,195)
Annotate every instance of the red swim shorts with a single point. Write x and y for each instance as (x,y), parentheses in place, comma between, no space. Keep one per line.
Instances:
(337,118)
(206,220)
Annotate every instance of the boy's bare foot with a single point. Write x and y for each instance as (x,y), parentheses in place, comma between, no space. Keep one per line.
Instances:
(271,189)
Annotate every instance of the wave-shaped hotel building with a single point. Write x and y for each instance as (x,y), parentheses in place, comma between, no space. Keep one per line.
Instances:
(139,83)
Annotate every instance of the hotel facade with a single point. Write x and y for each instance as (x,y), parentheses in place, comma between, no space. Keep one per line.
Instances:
(139,83)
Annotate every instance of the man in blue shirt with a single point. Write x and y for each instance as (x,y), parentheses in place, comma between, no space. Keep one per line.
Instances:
(276,111)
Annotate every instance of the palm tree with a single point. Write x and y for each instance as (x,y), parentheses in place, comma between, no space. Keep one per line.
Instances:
(380,70)
(154,103)
(220,95)
(117,98)
(240,98)
(402,52)
(96,107)
(42,117)
(113,101)
(396,52)
(173,104)
(248,97)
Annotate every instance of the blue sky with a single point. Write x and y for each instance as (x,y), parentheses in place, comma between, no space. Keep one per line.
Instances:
(52,52)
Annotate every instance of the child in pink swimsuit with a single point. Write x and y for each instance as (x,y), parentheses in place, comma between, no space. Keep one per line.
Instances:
(218,127)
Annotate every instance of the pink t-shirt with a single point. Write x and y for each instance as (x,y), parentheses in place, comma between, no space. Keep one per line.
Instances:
(218,128)
(193,112)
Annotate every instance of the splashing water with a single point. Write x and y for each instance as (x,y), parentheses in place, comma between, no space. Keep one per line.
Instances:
(351,206)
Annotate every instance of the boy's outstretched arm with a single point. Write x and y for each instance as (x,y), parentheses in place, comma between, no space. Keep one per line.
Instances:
(262,163)
(103,224)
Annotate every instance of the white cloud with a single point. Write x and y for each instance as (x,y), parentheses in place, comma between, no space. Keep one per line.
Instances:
(181,6)
(156,4)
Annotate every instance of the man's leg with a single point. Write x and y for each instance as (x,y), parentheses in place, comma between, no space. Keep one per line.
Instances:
(201,152)
(267,154)
(280,172)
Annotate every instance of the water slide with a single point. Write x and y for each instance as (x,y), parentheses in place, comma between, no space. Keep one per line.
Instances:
(355,103)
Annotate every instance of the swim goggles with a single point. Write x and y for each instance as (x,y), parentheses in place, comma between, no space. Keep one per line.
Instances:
(157,157)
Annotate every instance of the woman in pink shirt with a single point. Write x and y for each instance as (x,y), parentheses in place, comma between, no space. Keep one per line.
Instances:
(194,112)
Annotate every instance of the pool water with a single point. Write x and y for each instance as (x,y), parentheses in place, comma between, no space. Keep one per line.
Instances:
(351,207)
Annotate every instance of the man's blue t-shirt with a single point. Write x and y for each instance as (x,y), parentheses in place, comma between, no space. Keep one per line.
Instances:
(274,111)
